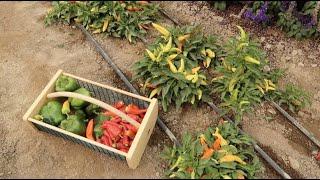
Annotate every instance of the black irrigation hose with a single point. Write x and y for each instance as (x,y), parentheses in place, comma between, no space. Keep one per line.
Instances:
(297,124)
(125,80)
(265,156)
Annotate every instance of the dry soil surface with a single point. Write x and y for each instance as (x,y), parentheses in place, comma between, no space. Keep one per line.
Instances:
(30,54)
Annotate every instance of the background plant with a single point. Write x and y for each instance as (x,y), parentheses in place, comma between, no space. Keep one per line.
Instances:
(177,66)
(292,97)
(129,19)
(298,19)
(215,154)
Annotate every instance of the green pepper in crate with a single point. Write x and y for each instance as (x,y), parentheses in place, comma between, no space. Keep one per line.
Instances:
(78,103)
(92,109)
(51,113)
(74,124)
(65,83)
(81,114)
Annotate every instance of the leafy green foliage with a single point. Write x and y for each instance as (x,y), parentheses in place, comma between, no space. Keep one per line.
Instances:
(186,162)
(127,19)
(220,5)
(178,71)
(293,97)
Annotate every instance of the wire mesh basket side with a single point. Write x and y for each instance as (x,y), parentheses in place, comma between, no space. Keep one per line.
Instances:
(78,141)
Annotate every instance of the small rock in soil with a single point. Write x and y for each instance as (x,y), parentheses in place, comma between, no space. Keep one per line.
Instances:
(272,111)
(302,114)
(294,52)
(157,174)
(266,68)
(262,39)
(313,65)
(294,163)
(268,46)
(300,64)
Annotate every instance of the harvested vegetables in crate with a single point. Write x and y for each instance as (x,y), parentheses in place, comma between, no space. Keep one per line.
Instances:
(78,110)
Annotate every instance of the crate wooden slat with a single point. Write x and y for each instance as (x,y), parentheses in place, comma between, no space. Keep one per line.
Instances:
(109,95)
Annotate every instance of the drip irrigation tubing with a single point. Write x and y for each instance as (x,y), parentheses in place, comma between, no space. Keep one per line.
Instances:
(297,124)
(159,121)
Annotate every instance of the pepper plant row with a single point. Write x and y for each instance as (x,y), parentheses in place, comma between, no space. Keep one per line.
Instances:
(184,66)
(129,19)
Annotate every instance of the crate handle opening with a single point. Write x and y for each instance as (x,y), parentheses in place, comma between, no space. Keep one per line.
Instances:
(96,102)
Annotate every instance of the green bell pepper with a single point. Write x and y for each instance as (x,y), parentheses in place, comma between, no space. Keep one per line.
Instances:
(51,113)
(98,120)
(74,124)
(92,109)
(78,103)
(65,83)
(81,114)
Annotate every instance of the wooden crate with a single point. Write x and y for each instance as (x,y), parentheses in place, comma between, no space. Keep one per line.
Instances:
(102,95)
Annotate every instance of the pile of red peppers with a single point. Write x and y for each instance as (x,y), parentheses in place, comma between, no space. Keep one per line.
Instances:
(118,133)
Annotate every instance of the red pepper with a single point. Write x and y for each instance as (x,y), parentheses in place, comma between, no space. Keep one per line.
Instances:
(132,128)
(120,144)
(106,140)
(118,104)
(129,133)
(135,117)
(113,129)
(108,113)
(124,149)
(116,119)
(142,115)
(133,109)
(123,109)
(126,141)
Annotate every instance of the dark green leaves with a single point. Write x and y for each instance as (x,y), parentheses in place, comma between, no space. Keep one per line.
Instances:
(109,17)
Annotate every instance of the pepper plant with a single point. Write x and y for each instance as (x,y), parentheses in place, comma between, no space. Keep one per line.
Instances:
(242,82)
(215,154)
(129,19)
(177,66)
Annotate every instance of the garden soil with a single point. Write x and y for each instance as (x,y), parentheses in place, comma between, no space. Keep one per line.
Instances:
(30,54)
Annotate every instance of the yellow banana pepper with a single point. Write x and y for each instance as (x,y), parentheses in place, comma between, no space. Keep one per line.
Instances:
(210,53)
(181,68)
(251,60)
(231,158)
(151,55)
(161,29)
